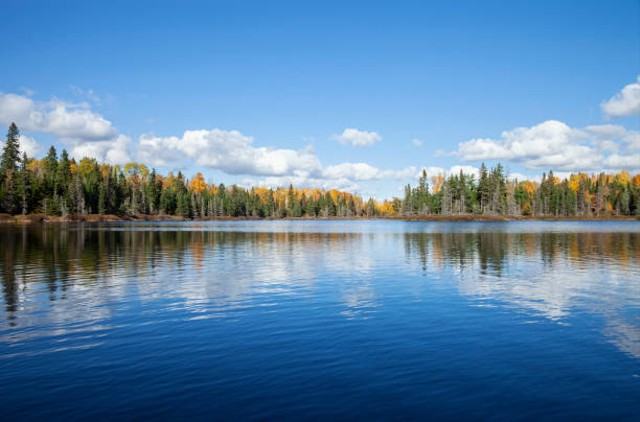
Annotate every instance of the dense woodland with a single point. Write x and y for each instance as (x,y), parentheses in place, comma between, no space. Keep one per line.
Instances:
(61,186)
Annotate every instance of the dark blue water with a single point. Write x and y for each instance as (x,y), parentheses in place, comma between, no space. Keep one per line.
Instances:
(321,320)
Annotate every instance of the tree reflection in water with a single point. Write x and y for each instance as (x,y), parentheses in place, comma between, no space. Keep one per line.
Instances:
(82,269)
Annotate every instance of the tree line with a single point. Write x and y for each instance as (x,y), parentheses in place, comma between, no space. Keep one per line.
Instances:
(61,186)
(579,195)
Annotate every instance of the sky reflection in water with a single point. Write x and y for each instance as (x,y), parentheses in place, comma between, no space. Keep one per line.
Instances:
(320,297)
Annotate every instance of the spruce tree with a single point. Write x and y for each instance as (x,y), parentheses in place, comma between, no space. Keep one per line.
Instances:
(51,168)
(11,152)
(484,188)
(63,173)
(8,171)
(23,180)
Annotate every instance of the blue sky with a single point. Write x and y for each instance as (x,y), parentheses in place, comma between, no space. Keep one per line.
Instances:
(356,95)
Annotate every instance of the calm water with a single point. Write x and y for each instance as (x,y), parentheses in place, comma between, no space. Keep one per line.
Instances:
(330,320)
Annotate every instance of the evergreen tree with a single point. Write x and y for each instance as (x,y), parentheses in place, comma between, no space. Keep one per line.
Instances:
(483,188)
(23,186)
(11,153)
(102,199)
(408,204)
(50,168)
(8,170)
(422,194)
(50,186)
(63,175)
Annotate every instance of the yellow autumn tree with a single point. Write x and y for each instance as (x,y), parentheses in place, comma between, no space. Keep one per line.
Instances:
(436,182)
(198,184)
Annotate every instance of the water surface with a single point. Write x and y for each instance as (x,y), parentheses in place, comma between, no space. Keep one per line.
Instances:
(325,319)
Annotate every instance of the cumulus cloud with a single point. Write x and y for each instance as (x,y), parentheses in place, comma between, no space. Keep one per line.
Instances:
(234,153)
(344,176)
(470,171)
(86,133)
(80,129)
(27,144)
(453,170)
(624,103)
(30,146)
(623,161)
(363,171)
(613,137)
(67,121)
(553,144)
(632,140)
(357,138)
(229,151)
(303,182)
(416,143)
(114,151)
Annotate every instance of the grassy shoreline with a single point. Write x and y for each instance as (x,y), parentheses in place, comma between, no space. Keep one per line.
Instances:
(106,218)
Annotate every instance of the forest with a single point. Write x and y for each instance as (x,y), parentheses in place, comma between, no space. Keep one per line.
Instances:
(61,186)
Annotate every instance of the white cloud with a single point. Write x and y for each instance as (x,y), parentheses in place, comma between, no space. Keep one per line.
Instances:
(469,171)
(87,134)
(520,177)
(553,144)
(632,139)
(27,144)
(234,153)
(357,138)
(303,182)
(67,121)
(453,170)
(30,146)
(363,171)
(81,130)
(604,136)
(624,103)
(89,94)
(623,161)
(344,176)
(113,151)
(607,131)
(416,143)
(547,138)
(229,151)
(27,91)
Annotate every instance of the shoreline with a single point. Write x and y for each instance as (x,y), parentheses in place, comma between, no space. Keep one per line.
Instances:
(110,218)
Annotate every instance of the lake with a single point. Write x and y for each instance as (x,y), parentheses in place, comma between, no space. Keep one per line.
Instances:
(321,319)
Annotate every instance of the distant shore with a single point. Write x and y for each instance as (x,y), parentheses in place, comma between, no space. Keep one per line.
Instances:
(106,218)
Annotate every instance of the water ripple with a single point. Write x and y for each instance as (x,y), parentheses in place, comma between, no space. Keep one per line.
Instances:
(335,319)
